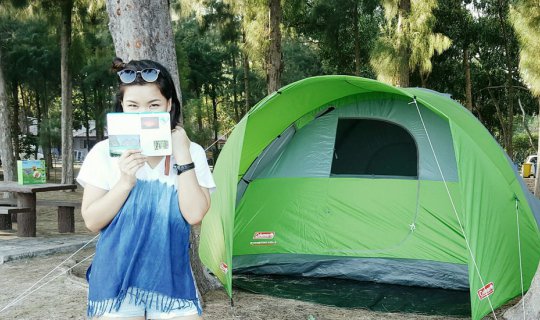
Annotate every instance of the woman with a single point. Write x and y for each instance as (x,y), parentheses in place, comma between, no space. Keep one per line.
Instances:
(143,207)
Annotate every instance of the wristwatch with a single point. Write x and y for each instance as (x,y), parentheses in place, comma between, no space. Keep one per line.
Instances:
(183,168)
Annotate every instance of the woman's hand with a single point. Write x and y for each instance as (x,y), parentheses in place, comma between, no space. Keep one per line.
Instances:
(100,206)
(180,145)
(129,163)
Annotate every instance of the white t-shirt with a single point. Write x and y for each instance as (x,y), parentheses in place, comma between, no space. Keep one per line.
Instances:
(101,170)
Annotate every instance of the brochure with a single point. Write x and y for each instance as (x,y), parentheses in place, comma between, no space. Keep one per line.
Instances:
(146,131)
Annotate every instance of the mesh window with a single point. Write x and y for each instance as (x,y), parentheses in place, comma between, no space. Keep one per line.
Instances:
(373,147)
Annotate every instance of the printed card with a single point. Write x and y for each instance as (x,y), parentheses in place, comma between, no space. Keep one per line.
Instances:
(147,131)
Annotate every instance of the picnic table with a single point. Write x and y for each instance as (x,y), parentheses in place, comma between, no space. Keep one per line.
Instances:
(26,202)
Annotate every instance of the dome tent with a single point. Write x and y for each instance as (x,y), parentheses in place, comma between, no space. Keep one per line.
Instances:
(349,177)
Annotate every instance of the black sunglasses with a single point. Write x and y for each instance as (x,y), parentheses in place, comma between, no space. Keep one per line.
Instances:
(129,75)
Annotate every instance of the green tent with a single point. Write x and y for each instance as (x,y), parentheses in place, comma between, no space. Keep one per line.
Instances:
(340,176)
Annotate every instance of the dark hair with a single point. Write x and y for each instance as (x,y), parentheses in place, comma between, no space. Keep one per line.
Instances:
(164,83)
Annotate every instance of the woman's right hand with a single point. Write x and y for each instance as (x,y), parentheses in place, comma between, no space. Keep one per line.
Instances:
(129,162)
(100,206)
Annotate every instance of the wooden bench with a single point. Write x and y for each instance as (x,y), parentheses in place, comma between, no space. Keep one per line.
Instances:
(66,212)
(5,216)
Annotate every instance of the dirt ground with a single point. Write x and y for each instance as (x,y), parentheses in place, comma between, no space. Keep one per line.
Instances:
(65,296)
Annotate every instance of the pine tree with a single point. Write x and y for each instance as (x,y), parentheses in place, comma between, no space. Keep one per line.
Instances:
(407,42)
(525,16)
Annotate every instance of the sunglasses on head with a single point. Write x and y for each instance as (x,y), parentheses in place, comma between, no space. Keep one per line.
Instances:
(129,75)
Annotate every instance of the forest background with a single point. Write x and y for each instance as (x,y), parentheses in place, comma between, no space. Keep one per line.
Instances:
(55,59)
(479,51)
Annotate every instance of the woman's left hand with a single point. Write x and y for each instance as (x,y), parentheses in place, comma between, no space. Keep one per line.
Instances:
(180,144)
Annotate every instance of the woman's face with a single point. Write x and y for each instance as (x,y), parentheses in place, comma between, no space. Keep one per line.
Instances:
(145,98)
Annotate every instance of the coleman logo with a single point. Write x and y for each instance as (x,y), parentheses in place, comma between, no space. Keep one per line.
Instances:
(264,235)
(223,266)
(486,291)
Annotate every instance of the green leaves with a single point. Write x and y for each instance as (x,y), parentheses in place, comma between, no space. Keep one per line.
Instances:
(525,18)
(328,26)
(407,41)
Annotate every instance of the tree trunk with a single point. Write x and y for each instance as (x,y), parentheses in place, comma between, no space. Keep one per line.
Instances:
(38,118)
(6,146)
(235,99)
(200,273)
(274,62)
(15,125)
(536,178)
(527,308)
(526,126)
(199,110)
(246,75)
(509,87)
(208,113)
(99,115)
(142,30)
(404,10)
(499,114)
(67,106)
(86,117)
(468,84)
(423,79)
(479,113)
(356,39)
(216,124)
(23,117)
(44,132)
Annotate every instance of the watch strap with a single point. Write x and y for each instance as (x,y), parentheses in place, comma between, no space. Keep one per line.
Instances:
(183,168)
